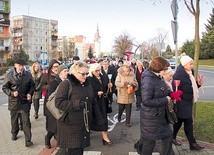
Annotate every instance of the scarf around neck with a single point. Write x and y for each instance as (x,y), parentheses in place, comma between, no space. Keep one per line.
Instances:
(194,87)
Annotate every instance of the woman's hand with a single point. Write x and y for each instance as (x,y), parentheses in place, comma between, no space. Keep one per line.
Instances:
(110,85)
(100,93)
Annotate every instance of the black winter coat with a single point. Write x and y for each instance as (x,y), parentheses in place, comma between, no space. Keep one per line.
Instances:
(23,84)
(139,79)
(38,84)
(105,77)
(153,121)
(51,124)
(183,108)
(74,134)
(101,101)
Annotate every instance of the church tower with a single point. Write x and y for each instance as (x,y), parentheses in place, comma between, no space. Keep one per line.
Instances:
(97,43)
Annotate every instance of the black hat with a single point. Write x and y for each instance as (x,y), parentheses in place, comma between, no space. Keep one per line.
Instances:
(20,61)
(52,62)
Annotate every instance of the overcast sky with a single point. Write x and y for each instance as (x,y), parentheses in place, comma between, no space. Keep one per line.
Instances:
(139,18)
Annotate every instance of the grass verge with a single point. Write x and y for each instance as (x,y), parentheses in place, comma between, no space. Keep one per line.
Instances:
(204,124)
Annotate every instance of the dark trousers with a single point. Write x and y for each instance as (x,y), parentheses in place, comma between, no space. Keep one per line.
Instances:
(25,116)
(128,108)
(70,151)
(188,129)
(36,105)
(138,101)
(149,145)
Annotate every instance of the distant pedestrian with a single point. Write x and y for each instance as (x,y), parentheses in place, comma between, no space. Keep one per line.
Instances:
(139,73)
(19,86)
(37,95)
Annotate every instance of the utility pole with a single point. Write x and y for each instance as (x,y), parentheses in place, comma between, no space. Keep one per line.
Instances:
(174,25)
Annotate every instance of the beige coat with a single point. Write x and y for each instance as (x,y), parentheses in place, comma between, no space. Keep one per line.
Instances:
(122,96)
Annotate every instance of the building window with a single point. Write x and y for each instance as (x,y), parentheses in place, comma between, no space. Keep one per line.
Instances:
(1,29)
(1,42)
(2,5)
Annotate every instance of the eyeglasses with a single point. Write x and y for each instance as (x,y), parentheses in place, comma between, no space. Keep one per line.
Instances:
(83,74)
(98,70)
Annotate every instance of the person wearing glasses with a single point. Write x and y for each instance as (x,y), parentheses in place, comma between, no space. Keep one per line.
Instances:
(19,87)
(100,86)
(46,80)
(155,97)
(73,135)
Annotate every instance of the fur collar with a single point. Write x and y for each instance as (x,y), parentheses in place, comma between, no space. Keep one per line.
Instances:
(121,72)
(75,81)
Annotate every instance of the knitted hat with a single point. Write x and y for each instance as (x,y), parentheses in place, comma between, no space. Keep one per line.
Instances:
(61,68)
(185,60)
(20,61)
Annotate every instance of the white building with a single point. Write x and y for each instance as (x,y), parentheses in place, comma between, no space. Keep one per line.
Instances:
(34,35)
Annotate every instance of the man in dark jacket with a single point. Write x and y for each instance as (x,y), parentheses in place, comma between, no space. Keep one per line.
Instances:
(19,87)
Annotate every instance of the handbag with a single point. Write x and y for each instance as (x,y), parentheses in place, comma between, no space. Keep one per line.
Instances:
(130,90)
(171,115)
(58,114)
(107,102)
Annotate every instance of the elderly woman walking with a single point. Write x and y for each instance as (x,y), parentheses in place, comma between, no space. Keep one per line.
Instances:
(126,85)
(100,86)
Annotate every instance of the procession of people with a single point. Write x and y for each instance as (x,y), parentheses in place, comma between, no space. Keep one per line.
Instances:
(85,94)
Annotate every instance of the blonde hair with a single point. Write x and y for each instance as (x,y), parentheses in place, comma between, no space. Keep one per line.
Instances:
(94,67)
(75,67)
(33,72)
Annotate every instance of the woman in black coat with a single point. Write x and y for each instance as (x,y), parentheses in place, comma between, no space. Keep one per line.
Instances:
(183,108)
(155,98)
(74,134)
(100,87)
(51,126)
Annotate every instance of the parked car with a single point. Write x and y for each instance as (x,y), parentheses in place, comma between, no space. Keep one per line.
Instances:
(172,63)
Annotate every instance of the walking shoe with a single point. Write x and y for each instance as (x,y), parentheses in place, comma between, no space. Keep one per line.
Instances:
(36,116)
(28,143)
(14,137)
(195,146)
(174,141)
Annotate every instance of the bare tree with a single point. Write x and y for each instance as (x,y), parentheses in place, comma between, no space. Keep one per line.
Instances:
(122,44)
(162,35)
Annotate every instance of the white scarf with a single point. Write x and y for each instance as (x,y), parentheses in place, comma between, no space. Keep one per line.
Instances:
(194,87)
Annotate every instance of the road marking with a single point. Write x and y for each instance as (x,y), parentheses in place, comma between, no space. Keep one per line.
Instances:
(114,121)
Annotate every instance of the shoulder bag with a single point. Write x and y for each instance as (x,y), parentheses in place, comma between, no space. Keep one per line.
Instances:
(58,114)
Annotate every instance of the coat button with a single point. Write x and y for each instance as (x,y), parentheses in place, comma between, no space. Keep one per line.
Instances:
(86,97)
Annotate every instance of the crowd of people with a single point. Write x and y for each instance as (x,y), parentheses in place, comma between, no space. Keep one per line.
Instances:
(84,92)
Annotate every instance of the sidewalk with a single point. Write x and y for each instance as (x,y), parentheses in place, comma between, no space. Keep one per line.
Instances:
(9,147)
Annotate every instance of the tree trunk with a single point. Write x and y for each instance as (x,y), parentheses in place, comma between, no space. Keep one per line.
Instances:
(197,49)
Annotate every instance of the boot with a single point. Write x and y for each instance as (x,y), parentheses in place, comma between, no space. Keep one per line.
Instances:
(128,115)
(47,142)
(120,112)
(195,146)
(36,115)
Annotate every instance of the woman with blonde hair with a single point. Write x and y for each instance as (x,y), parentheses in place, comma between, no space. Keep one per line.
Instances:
(126,85)
(37,78)
(74,134)
(101,87)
